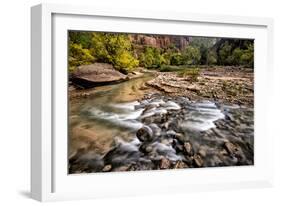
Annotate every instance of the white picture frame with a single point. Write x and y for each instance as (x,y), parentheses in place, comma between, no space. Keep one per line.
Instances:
(49,179)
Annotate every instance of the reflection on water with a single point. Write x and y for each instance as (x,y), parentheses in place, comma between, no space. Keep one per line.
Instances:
(107,114)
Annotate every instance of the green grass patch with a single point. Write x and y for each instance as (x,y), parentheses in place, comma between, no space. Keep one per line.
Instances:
(192,73)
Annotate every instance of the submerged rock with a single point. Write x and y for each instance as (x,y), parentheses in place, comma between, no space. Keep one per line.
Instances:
(146,148)
(156,130)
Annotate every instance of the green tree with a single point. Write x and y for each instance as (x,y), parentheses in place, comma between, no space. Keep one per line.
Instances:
(176,59)
(115,49)
(247,58)
(191,55)
(125,61)
(211,58)
(78,56)
(167,58)
(236,52)
(204,44)
(152,58)
(236,56)
(225,54)
(79,37)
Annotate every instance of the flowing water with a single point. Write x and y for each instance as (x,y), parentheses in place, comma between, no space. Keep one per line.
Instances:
(114,113)
(108,113)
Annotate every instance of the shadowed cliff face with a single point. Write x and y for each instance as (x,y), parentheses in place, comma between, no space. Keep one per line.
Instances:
(180,42)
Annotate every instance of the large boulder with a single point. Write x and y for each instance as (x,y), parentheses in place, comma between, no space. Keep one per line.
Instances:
(96,74)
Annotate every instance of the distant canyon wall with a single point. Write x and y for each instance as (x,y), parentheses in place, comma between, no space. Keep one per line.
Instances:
(180,42)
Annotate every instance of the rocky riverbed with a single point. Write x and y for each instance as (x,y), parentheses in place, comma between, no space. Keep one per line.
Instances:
(231,85)
(169,132)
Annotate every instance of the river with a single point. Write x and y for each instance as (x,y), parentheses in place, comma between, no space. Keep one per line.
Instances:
(103,128)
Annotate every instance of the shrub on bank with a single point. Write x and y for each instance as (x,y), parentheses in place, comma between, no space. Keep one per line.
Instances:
(191,56)
(79,56)
(115,49)
(151,58)
(192,73)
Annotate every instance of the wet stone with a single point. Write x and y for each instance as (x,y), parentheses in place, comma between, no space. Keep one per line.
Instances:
(188,148)
(223,152)
(122,168)
(107,168)
(179,136)
(202,152)
(155,129)
(142,166)
(179,148)
(166,125)
(164,163)
(180,165)
(173,125)
(146,148)
(145,134)
(198,160)
(231,148)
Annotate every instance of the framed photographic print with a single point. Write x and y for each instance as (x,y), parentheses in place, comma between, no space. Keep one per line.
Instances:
(137,102)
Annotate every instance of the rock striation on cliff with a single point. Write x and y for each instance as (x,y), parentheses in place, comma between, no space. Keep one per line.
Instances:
(180,42)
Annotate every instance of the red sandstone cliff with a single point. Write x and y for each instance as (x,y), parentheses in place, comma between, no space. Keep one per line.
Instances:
(158,41)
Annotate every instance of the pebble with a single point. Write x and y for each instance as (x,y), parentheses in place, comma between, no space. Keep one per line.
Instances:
(107,168)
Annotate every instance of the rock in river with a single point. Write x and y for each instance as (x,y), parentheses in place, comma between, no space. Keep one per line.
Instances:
(188,148)
(96,74)
(198,160)
(180,165)
(145,134)
(107,168)
(164,163)
(231,148)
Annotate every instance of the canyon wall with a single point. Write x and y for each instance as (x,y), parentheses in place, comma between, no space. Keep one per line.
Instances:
(180,42)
